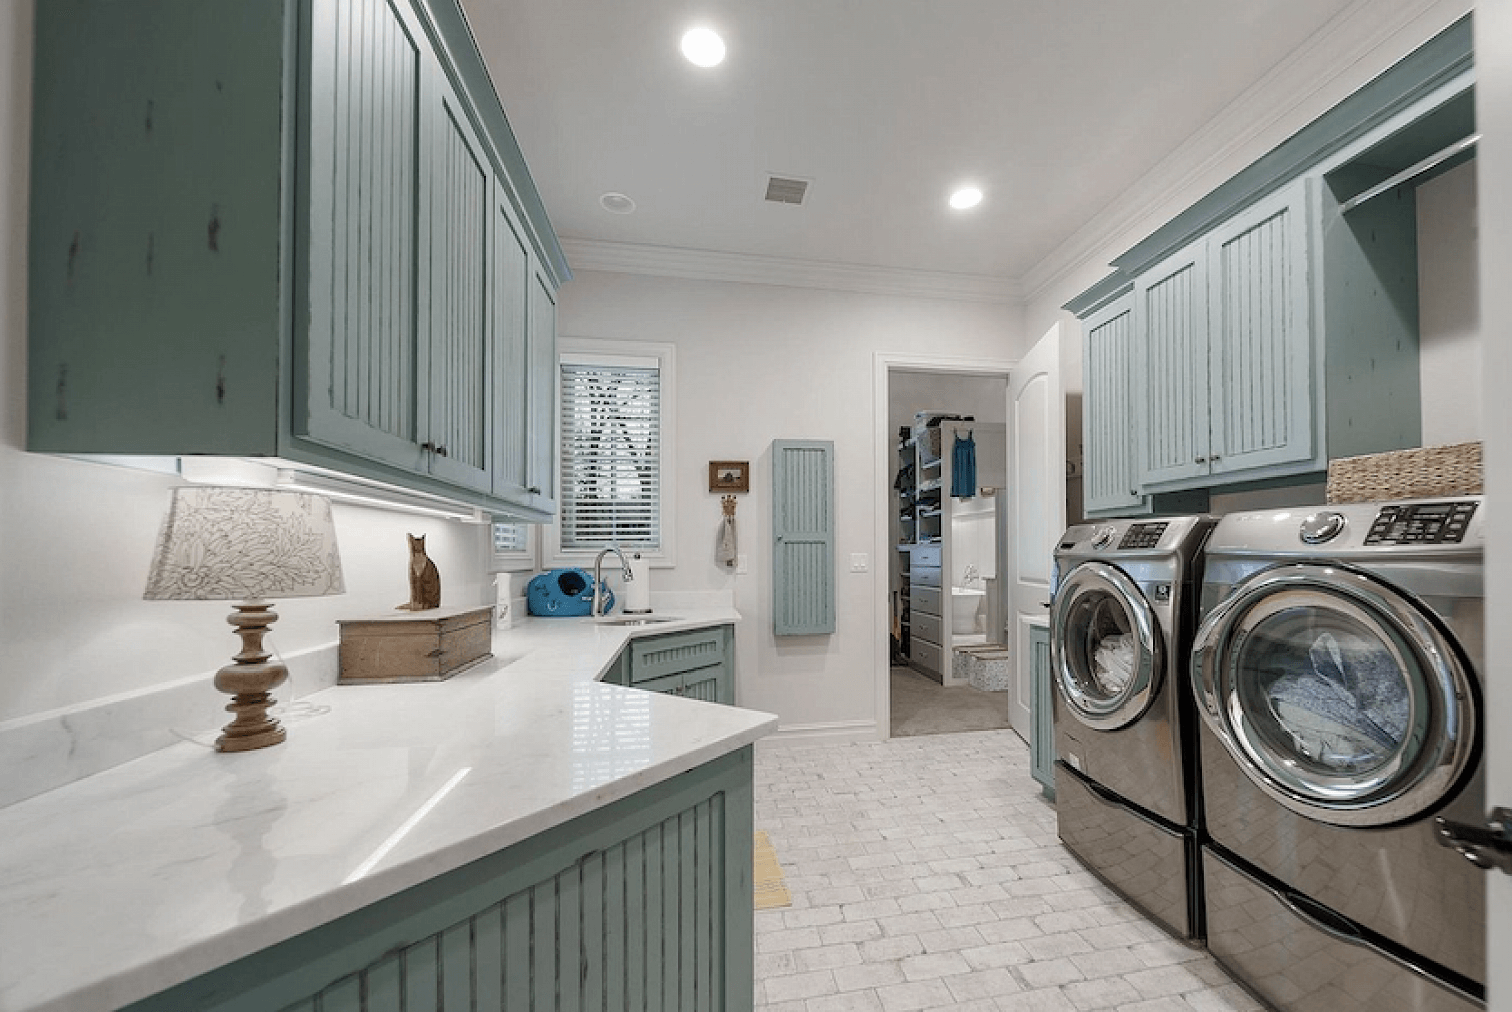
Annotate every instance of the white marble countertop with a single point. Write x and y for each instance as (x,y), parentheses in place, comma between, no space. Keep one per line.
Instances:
(125,883)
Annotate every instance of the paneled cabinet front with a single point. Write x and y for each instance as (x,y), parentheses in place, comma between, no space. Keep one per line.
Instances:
(1114,364)
(328,262)
(1226,331)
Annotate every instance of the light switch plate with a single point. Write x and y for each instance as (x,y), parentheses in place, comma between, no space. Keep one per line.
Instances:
(741,567)
(859,562)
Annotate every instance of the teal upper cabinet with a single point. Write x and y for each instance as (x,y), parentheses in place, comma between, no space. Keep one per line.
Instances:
(1273,324)
(1112,366)
(1170,313)
(297,231)
(1260,359)
(1229,358)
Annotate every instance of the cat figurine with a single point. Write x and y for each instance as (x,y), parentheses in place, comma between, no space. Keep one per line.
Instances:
(424,578)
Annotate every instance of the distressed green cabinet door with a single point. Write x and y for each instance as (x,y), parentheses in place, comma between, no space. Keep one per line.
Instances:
(1042,731)
(542,392)
(803,530)
(368,62)
(512,277)
(1260,356)
(454,385)
(1170,311)
(1113,371)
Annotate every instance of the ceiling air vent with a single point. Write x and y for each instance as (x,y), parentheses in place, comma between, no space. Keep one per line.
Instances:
(786,191)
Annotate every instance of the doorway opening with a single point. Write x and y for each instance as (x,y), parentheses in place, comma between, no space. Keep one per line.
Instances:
(950,664)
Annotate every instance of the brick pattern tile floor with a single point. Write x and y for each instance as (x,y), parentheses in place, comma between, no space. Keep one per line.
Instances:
(926,874)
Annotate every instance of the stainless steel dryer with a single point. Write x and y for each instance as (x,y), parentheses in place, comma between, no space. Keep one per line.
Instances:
(1335,668)
(1121,619)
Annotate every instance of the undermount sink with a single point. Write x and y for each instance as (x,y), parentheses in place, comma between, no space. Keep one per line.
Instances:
(634,619)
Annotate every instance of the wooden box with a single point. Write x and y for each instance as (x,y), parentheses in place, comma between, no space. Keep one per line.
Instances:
(409,646)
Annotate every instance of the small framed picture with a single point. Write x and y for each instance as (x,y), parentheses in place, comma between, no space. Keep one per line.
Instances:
(729,476)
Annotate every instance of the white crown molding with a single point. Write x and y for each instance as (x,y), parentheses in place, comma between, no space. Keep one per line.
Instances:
(1330,57)
(753,269)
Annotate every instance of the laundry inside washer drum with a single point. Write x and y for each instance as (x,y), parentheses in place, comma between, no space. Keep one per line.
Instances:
(1343,704)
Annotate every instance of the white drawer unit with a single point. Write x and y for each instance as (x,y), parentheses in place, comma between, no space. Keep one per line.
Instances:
(927,657)
(927,600)
(927,627)
(926,555)
(925,576)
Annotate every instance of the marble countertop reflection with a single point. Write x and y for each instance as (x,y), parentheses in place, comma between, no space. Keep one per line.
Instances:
(125,883)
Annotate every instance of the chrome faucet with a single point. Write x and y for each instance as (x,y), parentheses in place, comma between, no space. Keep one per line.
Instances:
(597,608)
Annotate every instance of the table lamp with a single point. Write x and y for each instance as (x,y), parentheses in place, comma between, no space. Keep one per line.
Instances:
(246,545)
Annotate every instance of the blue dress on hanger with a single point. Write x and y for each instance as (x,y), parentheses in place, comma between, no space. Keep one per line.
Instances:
(963,467)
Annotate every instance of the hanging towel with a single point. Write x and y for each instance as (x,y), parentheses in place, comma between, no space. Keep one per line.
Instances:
(963,467)
(727,545)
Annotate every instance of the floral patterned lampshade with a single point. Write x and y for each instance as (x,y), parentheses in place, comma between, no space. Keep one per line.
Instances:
(242,544)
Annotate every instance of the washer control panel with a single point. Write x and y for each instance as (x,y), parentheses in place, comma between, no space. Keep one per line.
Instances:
(1143,535)
(1421,523)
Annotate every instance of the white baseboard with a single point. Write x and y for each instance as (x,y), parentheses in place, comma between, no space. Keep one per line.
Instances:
(831,733)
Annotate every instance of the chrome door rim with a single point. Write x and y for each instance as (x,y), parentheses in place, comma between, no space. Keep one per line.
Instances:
(1428,764)
(1121,710)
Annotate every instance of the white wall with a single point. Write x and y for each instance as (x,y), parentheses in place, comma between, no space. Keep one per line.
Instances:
(75,537)
(757,363)
(1449,308)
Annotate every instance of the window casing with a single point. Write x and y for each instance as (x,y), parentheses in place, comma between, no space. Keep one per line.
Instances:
(614,442)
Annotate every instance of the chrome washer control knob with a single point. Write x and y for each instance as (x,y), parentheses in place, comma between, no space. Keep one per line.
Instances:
(1322,527)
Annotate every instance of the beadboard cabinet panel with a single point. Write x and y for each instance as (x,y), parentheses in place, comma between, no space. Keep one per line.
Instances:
(1042,689)
(511,276)
(699,663)
(367,61)
(269,230)
(541,373)
(1260,353)
(457,434)
(1109,409)
(1171,307)
(803,530)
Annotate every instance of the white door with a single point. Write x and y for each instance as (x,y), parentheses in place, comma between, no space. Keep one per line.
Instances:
(1493,59)
(1034,504)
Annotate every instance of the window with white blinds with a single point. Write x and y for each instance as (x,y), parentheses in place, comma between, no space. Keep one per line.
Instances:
(611,453)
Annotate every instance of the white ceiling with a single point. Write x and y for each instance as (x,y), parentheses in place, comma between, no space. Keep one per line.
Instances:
(1052,107)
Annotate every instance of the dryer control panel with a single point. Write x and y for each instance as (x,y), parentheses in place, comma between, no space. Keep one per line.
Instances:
(1421,523)
(1143,535)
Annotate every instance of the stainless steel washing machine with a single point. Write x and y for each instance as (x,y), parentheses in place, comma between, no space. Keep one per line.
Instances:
(1336,672)
(1121,619)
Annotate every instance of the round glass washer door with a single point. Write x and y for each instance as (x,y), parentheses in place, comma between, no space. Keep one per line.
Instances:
(1335,694)
(1107,649)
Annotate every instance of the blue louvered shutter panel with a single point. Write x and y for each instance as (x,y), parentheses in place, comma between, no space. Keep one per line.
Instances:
(803,537)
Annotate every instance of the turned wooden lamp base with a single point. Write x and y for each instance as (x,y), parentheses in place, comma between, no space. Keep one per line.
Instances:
(250,681)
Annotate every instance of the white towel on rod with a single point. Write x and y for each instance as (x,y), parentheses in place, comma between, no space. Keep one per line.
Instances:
(727,543)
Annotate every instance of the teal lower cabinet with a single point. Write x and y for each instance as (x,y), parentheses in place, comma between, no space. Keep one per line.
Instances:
(699,664)
(643,904)
(1042,732)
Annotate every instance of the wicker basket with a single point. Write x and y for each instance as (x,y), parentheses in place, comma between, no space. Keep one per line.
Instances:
(1425,473)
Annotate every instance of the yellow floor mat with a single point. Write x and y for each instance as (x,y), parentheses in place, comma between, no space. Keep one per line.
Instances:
(771,890)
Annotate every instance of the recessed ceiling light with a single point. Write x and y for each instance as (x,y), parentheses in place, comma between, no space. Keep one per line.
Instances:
(617,203)
(703,47)
(968,196)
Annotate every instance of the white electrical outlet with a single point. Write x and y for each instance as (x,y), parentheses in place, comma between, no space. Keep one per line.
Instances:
(859,562)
